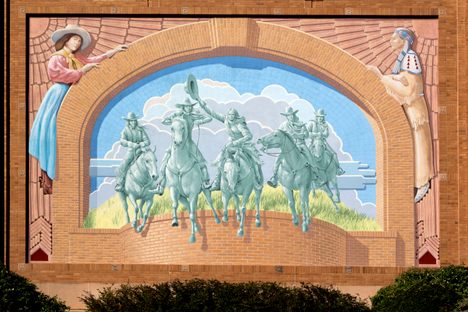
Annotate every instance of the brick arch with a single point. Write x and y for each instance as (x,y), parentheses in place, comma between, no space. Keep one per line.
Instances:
(234,37)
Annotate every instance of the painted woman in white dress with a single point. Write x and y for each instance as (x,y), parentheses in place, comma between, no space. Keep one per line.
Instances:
(405,84)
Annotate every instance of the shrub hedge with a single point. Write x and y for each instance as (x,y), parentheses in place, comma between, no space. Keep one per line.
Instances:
(423,290)
(212,295)
(19,294)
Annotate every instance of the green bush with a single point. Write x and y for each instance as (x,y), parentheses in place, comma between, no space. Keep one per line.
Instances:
(444,289)
(19,294)
(212,295)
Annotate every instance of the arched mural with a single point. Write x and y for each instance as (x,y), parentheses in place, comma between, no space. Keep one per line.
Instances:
(326,101)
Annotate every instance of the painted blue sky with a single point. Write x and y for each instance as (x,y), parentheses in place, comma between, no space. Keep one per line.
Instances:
(246,75)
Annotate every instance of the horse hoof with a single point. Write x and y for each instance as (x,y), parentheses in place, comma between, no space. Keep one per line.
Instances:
(305,227)
(192,239)
(134,224)
(238,218)
(217,220)
(295,221)
(225,219)
(258,223)
(175,223)
(240,233)
(196,228)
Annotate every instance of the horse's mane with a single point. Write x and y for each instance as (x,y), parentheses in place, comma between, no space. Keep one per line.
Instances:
(288,136)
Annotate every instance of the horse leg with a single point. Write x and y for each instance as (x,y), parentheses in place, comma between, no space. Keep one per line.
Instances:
(210,202)
(193,217)
(236,205)
(304,193)
(226,197)
(245,198)
(148,205)
(292,205)
(330,194)
(135,205)
(175,204)
(123,199)
(258,194)
(334,183)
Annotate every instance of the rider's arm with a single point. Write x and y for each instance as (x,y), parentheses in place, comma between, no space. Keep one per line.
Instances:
(124,142)
(168,120)
(303,134)
(246,134)
(325,132)
(312,130)
(210,112)
(200,119)
(146,139)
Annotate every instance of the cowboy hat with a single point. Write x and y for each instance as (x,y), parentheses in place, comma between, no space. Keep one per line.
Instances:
(320,113)
(130,116)
(191,86)
(187,102)
(289,111)
(73,29)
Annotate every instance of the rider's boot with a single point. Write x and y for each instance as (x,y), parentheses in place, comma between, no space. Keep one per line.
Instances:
(206,177)
(160,184)
(273,182)
(216,186)
(119,186)
(258,177)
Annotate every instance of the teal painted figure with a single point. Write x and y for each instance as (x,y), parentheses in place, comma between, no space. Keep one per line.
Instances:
(192,118)
(184,167)
(240,138)
(325,158)
(184,175)
(238,179)
(135,139)
(298,130)
(293,173)
(137,176)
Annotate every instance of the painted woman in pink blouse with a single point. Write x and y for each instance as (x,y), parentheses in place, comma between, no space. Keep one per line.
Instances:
(64,69)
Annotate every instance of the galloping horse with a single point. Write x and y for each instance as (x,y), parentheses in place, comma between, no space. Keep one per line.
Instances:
(139,186)
(184,176)
(294,172)
(327,170)
(238,179)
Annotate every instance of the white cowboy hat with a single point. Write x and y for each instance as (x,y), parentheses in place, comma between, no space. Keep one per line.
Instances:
(73,29)
(320,113)
(289,111)
(187,102)
(131,116)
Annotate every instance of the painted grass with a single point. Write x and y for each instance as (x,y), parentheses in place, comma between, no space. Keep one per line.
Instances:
(111,214)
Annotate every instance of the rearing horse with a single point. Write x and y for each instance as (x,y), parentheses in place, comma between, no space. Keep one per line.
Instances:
(294,172)
(184,176)
(140,181)
(238,179)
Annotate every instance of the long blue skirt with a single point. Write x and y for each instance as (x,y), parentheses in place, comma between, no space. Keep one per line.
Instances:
(43,137)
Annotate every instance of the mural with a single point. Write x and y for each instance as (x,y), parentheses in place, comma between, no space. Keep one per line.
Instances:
(250,133)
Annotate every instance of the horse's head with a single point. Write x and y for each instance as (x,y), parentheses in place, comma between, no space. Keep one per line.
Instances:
(231,172)
(179,131)
(150,162)
(272,140)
